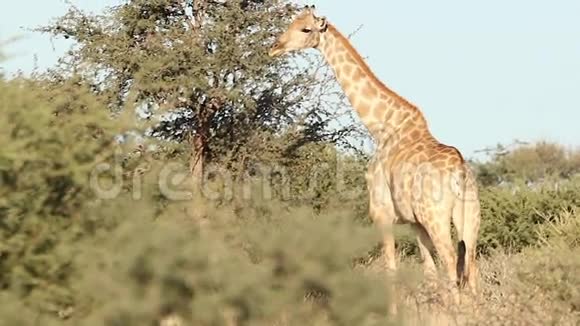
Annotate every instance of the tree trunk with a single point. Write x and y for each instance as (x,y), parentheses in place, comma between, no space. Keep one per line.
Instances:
(198,156)
(199,149)
(200,135)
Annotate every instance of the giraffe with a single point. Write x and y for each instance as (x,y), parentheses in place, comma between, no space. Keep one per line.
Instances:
(412,178)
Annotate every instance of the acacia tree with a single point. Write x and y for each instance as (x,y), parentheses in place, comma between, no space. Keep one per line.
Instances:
(198,72)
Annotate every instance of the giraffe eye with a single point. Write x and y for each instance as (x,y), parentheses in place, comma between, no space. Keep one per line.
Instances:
(306,30)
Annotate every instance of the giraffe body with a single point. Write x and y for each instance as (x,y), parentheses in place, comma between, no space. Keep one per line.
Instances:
(412,178)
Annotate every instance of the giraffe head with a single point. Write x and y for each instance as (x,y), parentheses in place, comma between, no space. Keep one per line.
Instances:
(304,32)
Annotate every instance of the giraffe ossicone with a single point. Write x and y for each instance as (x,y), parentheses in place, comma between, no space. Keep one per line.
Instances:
(412,178)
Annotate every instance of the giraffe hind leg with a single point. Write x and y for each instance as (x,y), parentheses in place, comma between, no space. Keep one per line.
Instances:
(425,247)
(437,223)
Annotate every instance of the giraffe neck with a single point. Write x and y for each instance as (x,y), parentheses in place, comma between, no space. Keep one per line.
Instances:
(383,112)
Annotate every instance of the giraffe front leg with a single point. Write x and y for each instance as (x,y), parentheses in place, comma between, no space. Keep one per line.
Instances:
(390,255)
(391,265)
(385,223)
(382,212)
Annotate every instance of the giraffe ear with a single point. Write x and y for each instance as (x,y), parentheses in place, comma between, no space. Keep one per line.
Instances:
(321,23)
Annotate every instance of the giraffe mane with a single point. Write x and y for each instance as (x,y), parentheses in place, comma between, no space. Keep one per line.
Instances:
(363,64)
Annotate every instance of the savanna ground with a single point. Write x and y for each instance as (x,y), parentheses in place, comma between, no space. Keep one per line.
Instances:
(98,229)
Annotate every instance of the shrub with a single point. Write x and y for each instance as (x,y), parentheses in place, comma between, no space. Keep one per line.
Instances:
(511,218)
(51,137)
(255,270)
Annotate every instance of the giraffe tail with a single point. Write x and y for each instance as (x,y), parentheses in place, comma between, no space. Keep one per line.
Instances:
(461,253)
(467,215)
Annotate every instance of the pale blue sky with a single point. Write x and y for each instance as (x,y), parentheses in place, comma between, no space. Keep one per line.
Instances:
(482,72)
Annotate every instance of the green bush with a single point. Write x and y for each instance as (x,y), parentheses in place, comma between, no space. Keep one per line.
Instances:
(239,267)
(511,219)
(52,134)
(292,266)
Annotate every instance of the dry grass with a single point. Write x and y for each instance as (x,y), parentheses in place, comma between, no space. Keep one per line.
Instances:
(505,298)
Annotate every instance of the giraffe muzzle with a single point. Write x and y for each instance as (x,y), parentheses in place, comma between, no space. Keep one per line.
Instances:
(275,50)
